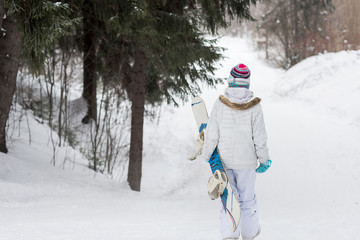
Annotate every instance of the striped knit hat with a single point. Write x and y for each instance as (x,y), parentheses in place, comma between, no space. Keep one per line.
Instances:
(239,76)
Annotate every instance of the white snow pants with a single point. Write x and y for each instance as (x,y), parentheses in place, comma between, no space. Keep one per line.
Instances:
(243,183)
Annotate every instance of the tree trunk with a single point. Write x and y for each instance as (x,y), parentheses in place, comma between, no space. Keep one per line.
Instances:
(10,48)
(89,58)
(137,97)
(2,12)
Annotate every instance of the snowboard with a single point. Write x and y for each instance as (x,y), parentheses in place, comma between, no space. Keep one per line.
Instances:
(228,198)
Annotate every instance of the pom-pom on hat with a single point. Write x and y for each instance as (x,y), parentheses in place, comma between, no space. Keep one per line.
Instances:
(239,76)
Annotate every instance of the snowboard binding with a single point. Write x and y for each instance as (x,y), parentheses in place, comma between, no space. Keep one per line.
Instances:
(217,184)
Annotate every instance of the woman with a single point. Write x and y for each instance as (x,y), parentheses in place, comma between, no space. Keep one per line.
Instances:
(236,126)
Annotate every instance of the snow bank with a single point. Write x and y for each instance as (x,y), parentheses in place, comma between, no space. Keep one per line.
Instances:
(330,82)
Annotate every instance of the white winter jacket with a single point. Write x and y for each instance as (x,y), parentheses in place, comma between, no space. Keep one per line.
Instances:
(238,129)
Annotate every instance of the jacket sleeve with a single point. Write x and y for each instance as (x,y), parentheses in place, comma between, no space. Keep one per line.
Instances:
(211,134)
(259,135)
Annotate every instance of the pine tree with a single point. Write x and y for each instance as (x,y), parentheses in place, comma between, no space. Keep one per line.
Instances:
(155,51)
(27,27)
(169,57)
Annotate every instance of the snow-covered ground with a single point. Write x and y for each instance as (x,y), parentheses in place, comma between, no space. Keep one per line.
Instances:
(311,192)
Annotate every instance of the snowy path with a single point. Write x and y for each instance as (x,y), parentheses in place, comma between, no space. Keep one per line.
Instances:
(311,192)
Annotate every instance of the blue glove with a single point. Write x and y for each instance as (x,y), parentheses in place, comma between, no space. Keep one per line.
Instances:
(264,166)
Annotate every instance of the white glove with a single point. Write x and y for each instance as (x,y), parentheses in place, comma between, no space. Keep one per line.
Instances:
(199,146)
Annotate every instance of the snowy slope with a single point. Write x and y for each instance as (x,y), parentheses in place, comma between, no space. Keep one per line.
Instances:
(314,138)
(311,191)
(329,81)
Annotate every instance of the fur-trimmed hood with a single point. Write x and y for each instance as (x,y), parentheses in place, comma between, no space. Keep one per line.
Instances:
(238,106)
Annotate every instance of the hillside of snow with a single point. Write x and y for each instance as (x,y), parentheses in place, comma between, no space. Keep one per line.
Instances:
(329,81)
(311,191)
